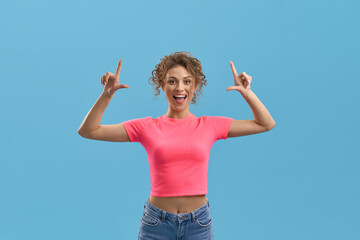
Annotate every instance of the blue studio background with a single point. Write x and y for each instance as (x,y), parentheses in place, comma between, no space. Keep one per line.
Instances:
(299,181)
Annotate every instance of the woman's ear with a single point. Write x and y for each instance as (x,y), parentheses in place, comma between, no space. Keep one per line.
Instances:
(161,85)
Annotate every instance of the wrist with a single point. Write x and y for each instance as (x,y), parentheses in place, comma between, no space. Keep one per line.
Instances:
(245,93)
(106,94)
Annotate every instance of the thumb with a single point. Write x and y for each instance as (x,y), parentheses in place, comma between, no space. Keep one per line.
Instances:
(230,88)
(121,86)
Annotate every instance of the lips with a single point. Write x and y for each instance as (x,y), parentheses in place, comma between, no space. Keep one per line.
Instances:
(180,97)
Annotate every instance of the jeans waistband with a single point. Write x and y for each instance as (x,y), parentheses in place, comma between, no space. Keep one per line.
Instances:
(162,214)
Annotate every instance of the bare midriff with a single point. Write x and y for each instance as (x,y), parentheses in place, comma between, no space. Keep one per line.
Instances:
(176,205)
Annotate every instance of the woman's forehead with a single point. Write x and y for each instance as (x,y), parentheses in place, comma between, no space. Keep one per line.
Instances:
(178,71)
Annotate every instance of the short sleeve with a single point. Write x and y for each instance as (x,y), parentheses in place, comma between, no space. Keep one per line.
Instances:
(220,126)
(135,128)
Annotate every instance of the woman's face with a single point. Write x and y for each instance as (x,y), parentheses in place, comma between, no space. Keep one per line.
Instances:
(179,81)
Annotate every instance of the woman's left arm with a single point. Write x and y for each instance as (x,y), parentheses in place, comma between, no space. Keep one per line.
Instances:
(261,114)
(242,85)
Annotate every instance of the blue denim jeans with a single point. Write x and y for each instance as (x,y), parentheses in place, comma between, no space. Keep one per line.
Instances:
(157,224)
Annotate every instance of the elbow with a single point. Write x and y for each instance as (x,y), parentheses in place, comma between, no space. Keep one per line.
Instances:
(85,133)
(81,133)
(271,126)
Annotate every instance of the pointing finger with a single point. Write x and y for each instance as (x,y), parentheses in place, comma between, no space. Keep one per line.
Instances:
(233,69)
(117,73)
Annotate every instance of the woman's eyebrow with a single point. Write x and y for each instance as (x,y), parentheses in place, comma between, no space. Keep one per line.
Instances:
(184,77)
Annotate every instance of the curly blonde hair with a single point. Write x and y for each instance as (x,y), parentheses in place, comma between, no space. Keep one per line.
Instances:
(182,58)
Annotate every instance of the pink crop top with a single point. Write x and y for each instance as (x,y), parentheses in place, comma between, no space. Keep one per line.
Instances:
(178,150)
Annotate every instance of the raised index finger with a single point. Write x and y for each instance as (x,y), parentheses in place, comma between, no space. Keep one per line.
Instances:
(117,73)
(233,69)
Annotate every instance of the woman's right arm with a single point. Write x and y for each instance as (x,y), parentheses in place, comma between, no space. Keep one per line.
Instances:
(93,118)
(90,127)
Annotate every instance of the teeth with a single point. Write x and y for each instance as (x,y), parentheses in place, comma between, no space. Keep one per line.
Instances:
(179,95)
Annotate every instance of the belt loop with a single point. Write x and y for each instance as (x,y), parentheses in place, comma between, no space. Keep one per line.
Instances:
(163,215)
(193,216)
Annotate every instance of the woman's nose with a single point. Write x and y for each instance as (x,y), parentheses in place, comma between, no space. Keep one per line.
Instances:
(180,87)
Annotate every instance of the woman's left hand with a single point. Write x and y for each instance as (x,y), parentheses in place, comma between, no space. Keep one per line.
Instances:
(242,81)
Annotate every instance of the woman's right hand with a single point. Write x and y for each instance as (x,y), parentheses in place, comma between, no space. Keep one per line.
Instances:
(111,81)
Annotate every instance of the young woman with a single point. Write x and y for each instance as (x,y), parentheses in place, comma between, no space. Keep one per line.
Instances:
(177,144)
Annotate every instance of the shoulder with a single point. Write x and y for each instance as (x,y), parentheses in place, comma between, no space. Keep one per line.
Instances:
(144,120)
(216,118)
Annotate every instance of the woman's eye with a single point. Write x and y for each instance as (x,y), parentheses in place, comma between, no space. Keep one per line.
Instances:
(174,81)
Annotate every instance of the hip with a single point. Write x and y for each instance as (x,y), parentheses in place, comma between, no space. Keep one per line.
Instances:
(159,224)
(182,204)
